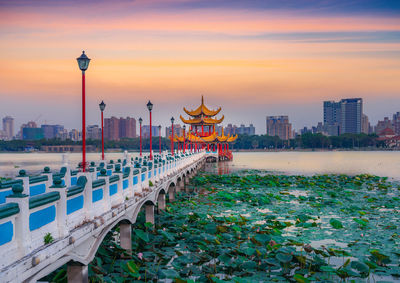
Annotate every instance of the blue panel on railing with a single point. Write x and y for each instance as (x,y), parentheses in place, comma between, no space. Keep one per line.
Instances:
(73,181)
(3,195)
(42,217)
(6,232)
(74,204)
(135,180)
(159,170)
(37,189)
(149,175)
(97,195)
(155,172)
(125,184)
(113,189)
(109,172)
(63,182)
(143,177)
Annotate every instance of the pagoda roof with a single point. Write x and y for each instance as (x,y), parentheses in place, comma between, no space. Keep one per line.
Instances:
(202,120)
(209,139)
(202,110)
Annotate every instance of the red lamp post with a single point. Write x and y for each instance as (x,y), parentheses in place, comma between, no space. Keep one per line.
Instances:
(184,139)
(83,63)
(102,106)
(140,126)
(172,136)
(150,107)
(159,135)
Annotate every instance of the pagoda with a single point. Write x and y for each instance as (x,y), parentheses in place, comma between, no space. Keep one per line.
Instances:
(202,134)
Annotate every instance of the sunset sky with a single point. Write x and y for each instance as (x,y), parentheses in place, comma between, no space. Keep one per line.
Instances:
(253,58)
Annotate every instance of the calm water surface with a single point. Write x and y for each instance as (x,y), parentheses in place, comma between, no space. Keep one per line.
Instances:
(382,163)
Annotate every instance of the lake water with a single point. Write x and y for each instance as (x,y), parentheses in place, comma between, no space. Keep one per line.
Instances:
(382,163)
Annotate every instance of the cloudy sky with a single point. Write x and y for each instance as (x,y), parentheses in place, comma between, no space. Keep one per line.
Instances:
(253,58)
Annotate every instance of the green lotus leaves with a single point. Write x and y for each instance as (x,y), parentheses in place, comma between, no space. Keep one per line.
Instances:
(257,226)
(336,223)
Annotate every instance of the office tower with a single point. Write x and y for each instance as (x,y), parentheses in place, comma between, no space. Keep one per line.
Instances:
(93,132)
(178,130)
(365,125)
(279,126)
(351,113)
(332,118)
(51,131)
(243,130)
(111,128)
(127,127)
(8,127)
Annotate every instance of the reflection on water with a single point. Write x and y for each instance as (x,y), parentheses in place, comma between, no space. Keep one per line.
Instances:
(382,163)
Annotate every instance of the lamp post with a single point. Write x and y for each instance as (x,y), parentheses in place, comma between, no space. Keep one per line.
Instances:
(83,63)
(150,107)
(184,139)
(172,136)
(159,134)
(140,126)
(102,106)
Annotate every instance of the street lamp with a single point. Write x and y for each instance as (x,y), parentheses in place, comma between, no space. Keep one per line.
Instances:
(140,126)
(83,63)
(159,134)
(172,136)
(184,139)
(102,106)
(150,107)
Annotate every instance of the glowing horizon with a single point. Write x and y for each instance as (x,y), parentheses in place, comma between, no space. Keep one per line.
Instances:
(254,60)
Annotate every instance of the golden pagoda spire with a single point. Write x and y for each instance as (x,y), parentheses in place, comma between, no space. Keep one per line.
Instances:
(202,110)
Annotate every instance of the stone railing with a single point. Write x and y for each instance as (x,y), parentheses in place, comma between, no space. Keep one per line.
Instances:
(36,210)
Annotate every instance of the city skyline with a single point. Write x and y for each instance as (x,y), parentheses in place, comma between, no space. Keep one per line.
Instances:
(254,58)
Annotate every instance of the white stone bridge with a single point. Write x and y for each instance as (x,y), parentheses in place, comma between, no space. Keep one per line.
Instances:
(60,218)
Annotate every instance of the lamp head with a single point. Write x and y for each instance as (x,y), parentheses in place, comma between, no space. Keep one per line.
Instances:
(149,105)
(83,61)
(102,106)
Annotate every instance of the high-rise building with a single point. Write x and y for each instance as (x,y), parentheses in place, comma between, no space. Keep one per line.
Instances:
(243,130)
(93,132)
(279,126)
(396,123)
(178,130)
(51,131)
(111,128)
(8,127)
(230,129)
(386,123)
(154,131)
(351,113)
(75,135)
(332,118)
(365,125)
(127,127)
(115,129)
(32,134)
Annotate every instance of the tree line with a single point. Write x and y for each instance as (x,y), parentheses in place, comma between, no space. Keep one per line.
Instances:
(305,141)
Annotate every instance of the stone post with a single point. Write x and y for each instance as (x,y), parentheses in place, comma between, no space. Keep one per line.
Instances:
(77,273)
(22,233)
(61,207)
(125,236)
(150,213)
(171,194)
(161,201)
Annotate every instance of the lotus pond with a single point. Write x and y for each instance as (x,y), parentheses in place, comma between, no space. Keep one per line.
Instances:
(257,227)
